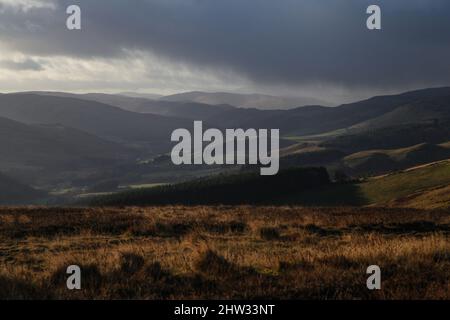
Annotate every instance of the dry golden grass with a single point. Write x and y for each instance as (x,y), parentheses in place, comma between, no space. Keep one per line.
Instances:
(224,252)
(433,198)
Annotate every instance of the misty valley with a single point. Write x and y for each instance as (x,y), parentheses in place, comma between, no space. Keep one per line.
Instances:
(65,148)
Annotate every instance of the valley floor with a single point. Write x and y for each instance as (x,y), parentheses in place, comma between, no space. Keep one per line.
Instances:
(224,252)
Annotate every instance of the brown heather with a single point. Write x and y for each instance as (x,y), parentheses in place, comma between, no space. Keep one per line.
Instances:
(224,252)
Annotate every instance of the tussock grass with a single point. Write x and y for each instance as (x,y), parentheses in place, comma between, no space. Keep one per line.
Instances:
(224,252)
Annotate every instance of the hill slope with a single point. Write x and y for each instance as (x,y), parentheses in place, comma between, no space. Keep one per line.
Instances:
(96,118)
(359,117)
(383,189)
(429,104)
(44,152)
(381,161)
(52,145)
(13,192)
(388,190)
(258,101)
(433,198)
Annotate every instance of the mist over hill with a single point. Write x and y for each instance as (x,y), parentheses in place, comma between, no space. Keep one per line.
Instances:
(258,101)
(383,111)
(74,143)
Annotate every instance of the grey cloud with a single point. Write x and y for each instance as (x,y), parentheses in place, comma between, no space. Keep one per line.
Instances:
(290,42)
(26,65)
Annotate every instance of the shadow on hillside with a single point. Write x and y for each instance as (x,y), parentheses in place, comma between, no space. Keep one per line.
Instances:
(238,189)
(338,194)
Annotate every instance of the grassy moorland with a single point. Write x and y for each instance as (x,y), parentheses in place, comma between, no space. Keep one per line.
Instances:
(224,252)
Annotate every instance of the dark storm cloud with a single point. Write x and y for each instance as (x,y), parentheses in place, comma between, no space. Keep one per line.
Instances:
(291,42)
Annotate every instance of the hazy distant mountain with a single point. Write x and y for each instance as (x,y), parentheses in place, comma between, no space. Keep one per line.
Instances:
(428,105)
(384,111)
(187,110)
(259,101)
(150,96)
(377,112)
(92,117)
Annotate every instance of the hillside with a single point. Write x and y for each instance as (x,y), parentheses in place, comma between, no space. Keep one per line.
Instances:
(433,198)
(258,101)
(387,190)
(13,192)
(72,143)
(313,120)
(102,120)
(416,107)
(343,155)
(373,162)
(56,146)
(429,105)
(426,178)
(187,110)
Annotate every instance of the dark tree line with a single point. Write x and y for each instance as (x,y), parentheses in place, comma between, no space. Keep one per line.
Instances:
(243,188)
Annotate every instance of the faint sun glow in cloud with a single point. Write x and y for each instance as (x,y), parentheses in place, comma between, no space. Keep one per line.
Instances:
(140,71)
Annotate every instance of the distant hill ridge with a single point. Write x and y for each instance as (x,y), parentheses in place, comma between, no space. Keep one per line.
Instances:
(96,118)
(259,101)
(377,112)
(68,143)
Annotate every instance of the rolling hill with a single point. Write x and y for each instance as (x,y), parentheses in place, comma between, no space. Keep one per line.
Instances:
(428,105)
(417,187)
(381,161)
(187,110)
(116,138)
(367,115)
(392,188)
(432,198)
(258,101)
(102,120)
(43,152)
(416,107)
(56,146)
(13,192)
(393,137)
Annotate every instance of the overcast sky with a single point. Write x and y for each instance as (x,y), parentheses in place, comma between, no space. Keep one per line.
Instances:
(312,48)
